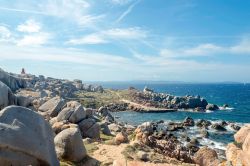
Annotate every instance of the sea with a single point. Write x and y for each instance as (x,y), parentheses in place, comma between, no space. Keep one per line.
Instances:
(236,95)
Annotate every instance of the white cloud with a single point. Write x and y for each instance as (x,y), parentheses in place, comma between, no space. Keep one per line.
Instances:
(5,33)
(89,39)
(242,48)
(34,39)
(29,26)
(126,33)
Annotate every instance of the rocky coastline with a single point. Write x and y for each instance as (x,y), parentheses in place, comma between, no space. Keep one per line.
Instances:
(53,127)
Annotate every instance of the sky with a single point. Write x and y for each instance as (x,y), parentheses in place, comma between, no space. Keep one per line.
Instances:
(125,40)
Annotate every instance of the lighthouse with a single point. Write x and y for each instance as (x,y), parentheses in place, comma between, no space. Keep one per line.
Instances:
(23,71)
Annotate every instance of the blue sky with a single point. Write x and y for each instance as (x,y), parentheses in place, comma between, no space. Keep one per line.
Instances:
(122,40)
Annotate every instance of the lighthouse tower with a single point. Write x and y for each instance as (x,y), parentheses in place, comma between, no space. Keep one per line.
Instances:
(23,71)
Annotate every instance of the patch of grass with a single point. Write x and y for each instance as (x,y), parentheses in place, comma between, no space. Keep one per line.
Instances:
(106,137)
(91,148)
(239,145)
(131,137)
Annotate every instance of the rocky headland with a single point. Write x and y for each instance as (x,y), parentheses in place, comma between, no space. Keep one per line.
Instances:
(48,121)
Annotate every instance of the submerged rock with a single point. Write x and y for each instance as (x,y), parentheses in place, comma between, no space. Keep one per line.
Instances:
(218,127)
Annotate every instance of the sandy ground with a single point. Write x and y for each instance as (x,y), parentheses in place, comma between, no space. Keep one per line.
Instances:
(111,153)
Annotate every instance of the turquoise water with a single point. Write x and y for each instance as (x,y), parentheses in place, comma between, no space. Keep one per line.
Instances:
(236,95)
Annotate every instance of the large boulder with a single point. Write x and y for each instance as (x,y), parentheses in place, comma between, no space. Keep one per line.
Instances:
(234,154)
(241,135)
(69,145)
(206,157)
(89,128)
(6,96)
(25,137)
(11,81)
(53,106)
(73,112)
(246,150)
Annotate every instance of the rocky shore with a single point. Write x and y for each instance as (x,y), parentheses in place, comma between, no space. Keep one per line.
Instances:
(43,122)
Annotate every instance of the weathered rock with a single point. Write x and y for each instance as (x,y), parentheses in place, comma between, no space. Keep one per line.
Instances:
(246,150)
(235,127)
(218,127)
(73,112)
(203,123)
(89,128)
(25,137)
(60,126)
(69,145)
(23,101)
(6,96)
(121,138)
(241,135)
(212,107)
(11,81)
(204,133)
(188,121)
(206,157)
(233,154)
(114,127)
(105,129)
(141,155)
(53,106)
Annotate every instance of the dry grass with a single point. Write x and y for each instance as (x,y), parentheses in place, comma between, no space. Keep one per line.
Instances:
(97,99)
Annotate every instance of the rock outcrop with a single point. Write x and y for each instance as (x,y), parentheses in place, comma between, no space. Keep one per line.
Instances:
(6,96)
(25,137)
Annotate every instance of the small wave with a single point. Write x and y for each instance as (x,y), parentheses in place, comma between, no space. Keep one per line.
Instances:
(213,144)
(209,111)
(226,108)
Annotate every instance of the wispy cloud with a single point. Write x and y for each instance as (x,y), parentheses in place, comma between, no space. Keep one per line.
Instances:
(105,36)
(71,10)
(29,26)
(120,2)
(23,11)
(126,12)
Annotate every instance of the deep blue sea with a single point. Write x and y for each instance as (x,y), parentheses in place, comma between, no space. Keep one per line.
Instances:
(236,95)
